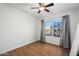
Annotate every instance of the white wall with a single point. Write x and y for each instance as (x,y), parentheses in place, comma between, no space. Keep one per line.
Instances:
(39,29)
(17,28)
(74,19)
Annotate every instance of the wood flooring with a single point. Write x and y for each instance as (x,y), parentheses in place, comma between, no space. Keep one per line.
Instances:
(36,49)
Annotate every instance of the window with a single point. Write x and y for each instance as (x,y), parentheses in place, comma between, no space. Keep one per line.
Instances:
(53,26)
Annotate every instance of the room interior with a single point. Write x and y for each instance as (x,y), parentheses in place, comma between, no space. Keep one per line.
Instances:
(39,29)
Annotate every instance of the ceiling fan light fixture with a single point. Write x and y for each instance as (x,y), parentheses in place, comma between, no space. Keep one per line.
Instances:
(41,8)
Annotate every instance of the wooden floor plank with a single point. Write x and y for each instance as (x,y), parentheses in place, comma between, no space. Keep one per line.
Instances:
(36,49)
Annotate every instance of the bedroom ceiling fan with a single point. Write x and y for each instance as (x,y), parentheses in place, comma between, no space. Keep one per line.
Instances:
(43,7)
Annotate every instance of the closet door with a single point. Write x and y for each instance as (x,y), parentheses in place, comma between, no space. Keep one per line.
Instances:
(75,44)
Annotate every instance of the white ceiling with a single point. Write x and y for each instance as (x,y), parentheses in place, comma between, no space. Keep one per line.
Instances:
(57,8)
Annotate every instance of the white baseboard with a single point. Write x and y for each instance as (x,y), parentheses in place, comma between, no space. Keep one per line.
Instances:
(3,52)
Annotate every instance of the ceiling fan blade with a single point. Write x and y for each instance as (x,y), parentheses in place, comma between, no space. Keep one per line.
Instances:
(39,11)
(46,10)
(51,4)
(34,7)
(40,4)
